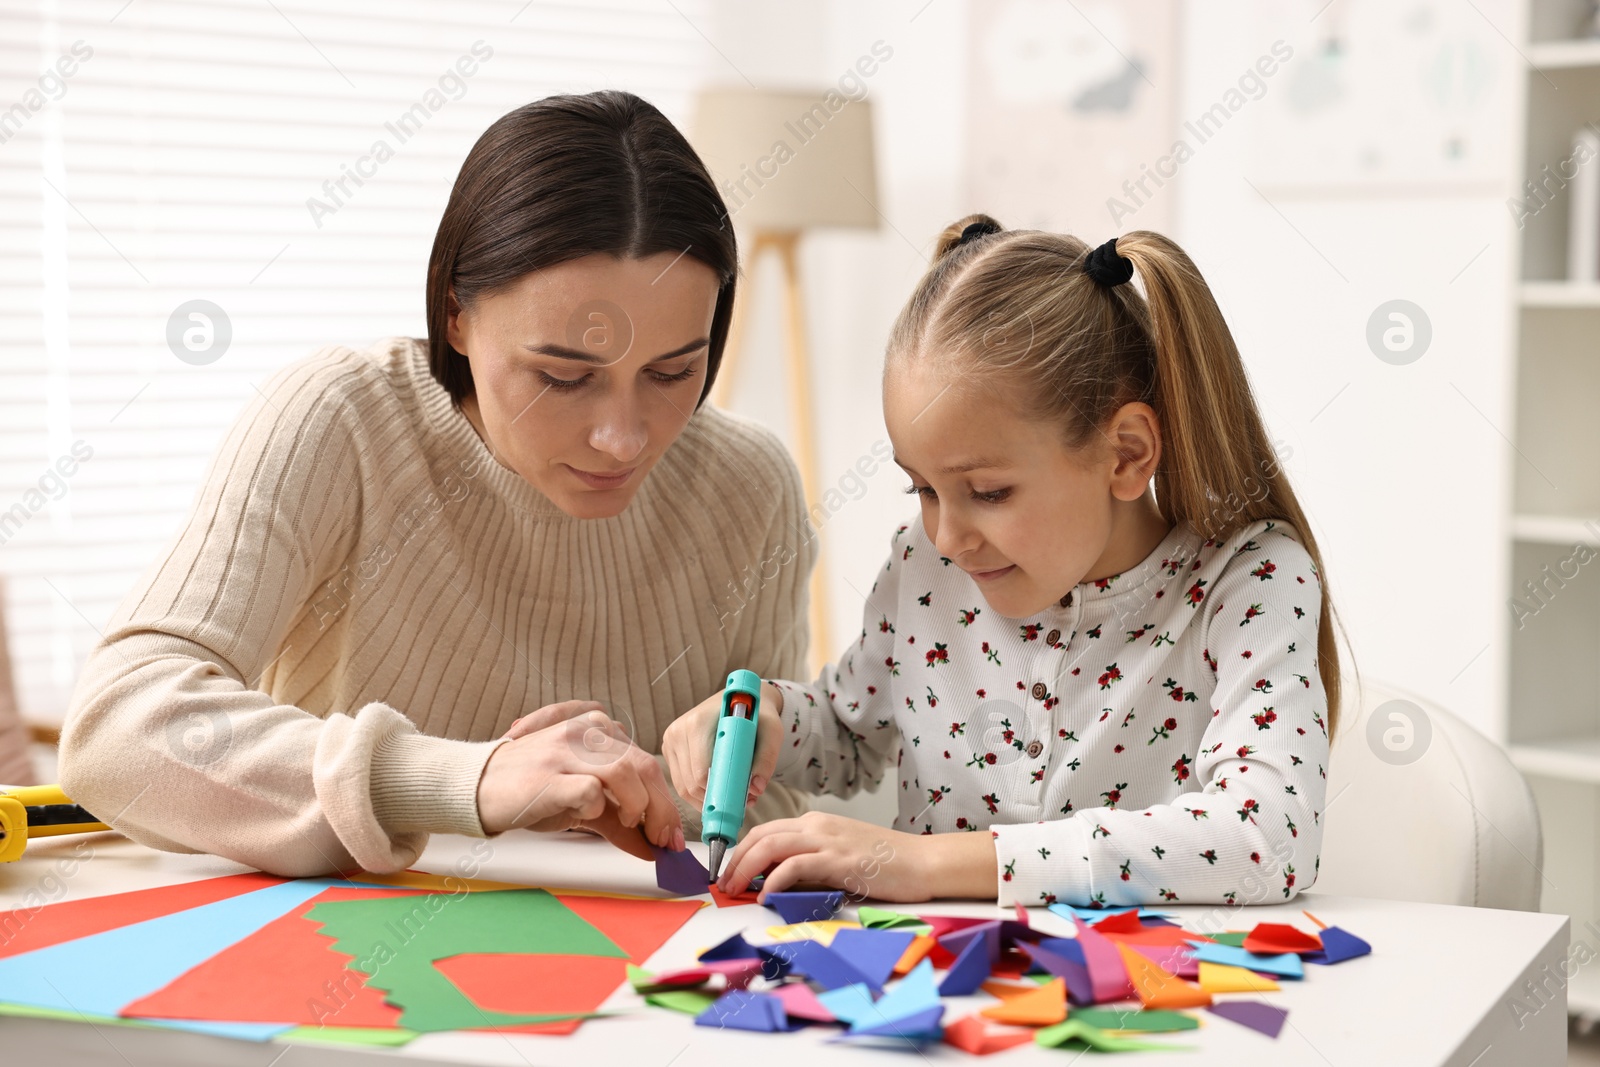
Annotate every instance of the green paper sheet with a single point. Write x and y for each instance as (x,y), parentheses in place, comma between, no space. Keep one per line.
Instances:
(373,1036)
(396,940)
(1095,1038)
(688,1001)
(1236,940)
(1154,1022)
(883,919)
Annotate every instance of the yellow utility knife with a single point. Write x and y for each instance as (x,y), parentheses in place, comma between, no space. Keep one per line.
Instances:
(39,811)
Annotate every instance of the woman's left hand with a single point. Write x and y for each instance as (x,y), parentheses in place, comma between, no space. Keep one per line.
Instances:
(817,848)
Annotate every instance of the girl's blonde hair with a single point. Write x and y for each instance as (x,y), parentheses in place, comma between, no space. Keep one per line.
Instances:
(1015,309)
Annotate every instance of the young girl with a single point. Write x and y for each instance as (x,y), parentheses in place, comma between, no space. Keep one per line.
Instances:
(1107,644)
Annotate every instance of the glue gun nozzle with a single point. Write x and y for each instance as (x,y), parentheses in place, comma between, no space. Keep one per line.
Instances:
(718,847)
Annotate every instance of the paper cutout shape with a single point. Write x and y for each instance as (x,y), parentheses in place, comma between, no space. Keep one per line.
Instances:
(973,1034)
(1157,988)
(733,900)
(100,974)
(969,970)
(911,1009)
(821,932)
(1287,964)
(281,973)
(734,948)
(340,1036)
(1173,959)
(1078,1030)
(805,907)
(881,919)
(818,963)
(872,952)
(1071,911)
(1234,938)
(923,1026)
(1046,1005)
(511,920)
(1076,976)
(637,925)
(681,873)
(1148,1022)
(1264,1018)
(847,1003)
(741,1010)
(1123,922)
(1005,990)
(1338,945)
(1161,936)
(801,1003)
(238,1031)
(1108,976)
(1271,939)
(513,985)
(688,1001)
(1221,978)
(915,953)
(1067,947)
(941,925)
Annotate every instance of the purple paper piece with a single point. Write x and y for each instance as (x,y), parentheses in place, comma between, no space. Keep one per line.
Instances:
(1338,945)
(680,873)
(1264,1018)
(1063,946)
(969,970)
(739,1010)
(805,907)
(734,948)
(1079,989)
(819,963)
(872,952)
(956,943)
(1107,973)
(919,1026)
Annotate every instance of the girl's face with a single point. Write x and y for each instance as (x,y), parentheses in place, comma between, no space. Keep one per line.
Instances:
(1006,501)
(586,372)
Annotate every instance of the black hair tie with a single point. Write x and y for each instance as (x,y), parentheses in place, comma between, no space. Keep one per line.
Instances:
(1106,267)
(976,230)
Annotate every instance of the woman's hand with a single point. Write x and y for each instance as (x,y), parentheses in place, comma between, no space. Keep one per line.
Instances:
(571,766)
(686,745)
(862,859)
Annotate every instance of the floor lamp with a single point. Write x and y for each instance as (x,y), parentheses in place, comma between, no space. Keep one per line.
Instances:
(787,162)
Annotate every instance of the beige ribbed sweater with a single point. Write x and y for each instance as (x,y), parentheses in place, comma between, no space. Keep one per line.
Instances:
(313,673)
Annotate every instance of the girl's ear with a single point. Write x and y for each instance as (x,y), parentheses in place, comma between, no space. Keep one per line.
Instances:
(1135,434)
(452,322)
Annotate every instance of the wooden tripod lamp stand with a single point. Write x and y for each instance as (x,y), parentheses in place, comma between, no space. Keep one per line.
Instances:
(787,162)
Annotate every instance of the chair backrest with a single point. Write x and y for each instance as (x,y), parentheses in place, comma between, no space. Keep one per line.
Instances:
(16,765)
(1423,807)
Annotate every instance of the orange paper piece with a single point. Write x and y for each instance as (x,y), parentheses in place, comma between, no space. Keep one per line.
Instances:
(972,1034)
(1007,990)
(522,984)
(1123,922)
(1273,939)
(731,900)
(1157,988)
(920,946)
(1046,1005)
(1222,978)
(1150,936)
(1320,924)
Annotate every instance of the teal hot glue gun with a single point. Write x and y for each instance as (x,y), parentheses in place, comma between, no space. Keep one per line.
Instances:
(732,751)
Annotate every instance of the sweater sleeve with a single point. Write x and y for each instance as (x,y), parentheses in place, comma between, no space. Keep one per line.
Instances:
(1252,831)
(839,731)
(168,737)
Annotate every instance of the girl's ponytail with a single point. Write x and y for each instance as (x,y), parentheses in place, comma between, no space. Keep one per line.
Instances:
(1219,471)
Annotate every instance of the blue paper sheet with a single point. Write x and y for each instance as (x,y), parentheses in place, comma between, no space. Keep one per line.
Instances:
(872,952)
(818,963)
(805,907)
(848,1003)
(1286,965)
(969,970)
(1338,945)
(740,1010)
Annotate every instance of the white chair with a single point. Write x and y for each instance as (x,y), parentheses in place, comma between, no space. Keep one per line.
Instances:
(1423,807)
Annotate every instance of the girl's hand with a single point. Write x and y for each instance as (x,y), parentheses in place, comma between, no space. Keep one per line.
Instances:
(686,745)
(829,850)
(571,766)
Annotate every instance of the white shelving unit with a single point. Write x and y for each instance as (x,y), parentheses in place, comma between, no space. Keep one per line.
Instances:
(1553,707)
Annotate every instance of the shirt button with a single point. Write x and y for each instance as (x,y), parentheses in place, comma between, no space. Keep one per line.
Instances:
(1066,601)
(1039,690)
(1052,637)
(1034,748)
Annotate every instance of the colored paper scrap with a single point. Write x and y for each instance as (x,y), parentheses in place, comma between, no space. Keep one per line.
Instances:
(882,919)
(1078,1030)
(922,1026)
(975,1035)
(1158,988)
(847,1003)
(1338,945)
(1234,938)
(681,873)
(872,952)
(743,1010)
(1146,1021)
(1221,978)
(688,1001)
(910,997)
(1076,976)
(430,928)
(1071,911)
(805,907)
(733,900)
(1123,922)
(817,962)
(1108,976)
(1286,964)
(821,931)
(801,1003)
(340,1036)
(734,948)
(1044,1005)
(1174,959)
(915,953)
(1271,939)
(969,970)
(1265,1018)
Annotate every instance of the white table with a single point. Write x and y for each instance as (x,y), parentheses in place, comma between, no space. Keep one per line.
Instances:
(1436,990)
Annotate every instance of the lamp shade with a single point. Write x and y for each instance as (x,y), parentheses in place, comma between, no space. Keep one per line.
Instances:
(787,160)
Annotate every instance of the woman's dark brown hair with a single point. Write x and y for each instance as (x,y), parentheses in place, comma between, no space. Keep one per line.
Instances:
(567,177)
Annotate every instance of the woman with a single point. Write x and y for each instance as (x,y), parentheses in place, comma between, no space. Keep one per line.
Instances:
(528,523)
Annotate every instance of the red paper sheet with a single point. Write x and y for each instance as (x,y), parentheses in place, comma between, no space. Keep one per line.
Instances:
(24,929)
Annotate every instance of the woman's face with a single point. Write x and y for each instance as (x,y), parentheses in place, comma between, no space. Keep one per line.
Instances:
(586,372)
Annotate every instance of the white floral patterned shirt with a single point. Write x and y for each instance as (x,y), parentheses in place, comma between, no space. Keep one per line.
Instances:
(1157,736)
